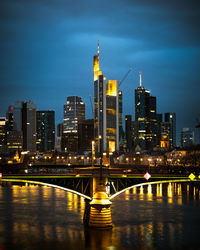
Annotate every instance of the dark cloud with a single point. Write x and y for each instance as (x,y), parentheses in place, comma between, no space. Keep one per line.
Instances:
(47,49)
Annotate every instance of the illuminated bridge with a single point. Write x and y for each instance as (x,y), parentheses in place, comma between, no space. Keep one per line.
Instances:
(98,186)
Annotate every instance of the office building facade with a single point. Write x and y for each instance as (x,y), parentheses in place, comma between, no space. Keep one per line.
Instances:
(85,135)
(106,111)
(171,118)
(145,118)
(45,131)
(22,117)
(187,138)
(74,112)
(2,134)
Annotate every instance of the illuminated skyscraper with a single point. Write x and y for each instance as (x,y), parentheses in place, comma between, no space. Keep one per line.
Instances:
(106,111)
(2,134)
(74,112)
(171,118)
(14,137)
(45,131)
(145,118)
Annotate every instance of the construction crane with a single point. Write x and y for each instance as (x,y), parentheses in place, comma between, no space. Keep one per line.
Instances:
(91,104)
(119,86)
(125,76)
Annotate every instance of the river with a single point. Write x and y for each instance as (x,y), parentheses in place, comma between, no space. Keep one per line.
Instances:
(160,216)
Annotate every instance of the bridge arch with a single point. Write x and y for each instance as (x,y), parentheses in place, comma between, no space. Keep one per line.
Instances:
(49,185)
(149,183)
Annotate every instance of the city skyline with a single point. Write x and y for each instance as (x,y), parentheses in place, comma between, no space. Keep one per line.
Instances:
(47,53)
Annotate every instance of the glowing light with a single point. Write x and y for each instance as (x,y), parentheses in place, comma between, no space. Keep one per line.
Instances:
(111,146)
(147,176)
(147,183)
(49,185)
(111,88)
(0,175)
(192,176)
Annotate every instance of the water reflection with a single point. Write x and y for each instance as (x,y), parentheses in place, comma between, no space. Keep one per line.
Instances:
(172,191)
(158,216)
(151,216)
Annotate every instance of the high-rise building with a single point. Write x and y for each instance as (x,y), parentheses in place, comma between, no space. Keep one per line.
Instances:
(21,118)
(14,137)
(85,135)
(28,118)
(59,129)
(166,128)
(74,112)
(106,111)
(171,118)
(69,142)
(45,131)
(187,138)
(145,118)
(159,122)
(2,134)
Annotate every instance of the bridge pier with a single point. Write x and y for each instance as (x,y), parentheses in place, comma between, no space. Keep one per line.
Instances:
(98,212)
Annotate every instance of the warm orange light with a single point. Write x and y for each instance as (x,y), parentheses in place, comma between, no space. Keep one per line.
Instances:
(111,146)
(111,88)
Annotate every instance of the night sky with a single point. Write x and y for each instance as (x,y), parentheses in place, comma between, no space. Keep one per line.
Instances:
(47,48)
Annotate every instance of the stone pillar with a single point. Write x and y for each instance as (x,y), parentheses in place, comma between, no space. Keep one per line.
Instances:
(100,212)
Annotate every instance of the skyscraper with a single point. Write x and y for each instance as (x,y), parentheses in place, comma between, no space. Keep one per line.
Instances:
(24,120)
(145,118)
(171,118)
(85,135)
(45,131)
(2,134)
(14,137)
(187,138)
(106,110)
(28,117)
(74,112)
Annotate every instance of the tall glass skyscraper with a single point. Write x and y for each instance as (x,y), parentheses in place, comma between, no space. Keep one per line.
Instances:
(171,118)
(45,131)
(145,118)
(74,112)
(106,111)
(24,120)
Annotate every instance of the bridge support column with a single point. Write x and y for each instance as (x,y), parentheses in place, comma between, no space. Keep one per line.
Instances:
(99,212)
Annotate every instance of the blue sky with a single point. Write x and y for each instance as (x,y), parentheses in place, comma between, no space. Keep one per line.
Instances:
(47,50)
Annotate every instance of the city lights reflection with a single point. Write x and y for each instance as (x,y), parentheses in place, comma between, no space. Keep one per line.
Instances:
(50,214)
